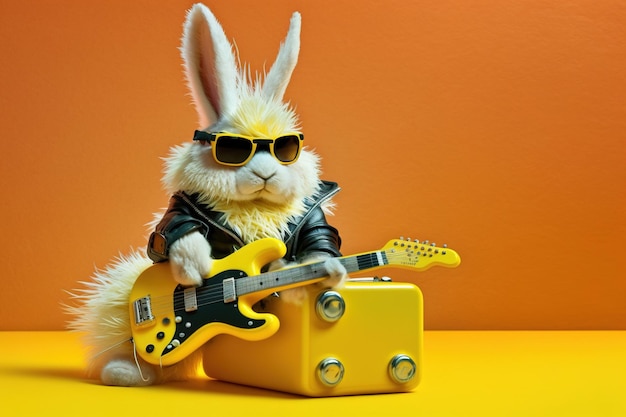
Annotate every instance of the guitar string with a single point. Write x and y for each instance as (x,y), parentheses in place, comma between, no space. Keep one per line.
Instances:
(211,294)
(214,293)
(391,254)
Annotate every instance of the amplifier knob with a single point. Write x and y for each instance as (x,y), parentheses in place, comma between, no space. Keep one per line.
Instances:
(330,372)
(402,368)
(330,306)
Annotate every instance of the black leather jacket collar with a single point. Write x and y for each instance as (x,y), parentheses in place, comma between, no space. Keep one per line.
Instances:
(307,235)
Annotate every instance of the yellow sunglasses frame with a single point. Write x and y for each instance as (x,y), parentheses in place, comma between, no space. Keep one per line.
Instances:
(209,137)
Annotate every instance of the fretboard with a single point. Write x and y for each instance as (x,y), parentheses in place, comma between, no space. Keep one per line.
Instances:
(304,273)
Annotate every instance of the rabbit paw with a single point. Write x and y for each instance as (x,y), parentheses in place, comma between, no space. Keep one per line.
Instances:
(337,274)
(190,258)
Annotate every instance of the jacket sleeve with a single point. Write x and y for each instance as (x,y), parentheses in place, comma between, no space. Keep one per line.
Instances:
(317,237)
(176,223)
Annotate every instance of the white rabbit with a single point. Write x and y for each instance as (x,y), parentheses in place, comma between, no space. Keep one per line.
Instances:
(244,177)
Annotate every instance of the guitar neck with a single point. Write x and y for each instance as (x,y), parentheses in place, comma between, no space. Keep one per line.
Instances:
(307,273)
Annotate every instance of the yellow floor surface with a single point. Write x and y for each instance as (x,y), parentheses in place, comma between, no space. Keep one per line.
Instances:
(465,373)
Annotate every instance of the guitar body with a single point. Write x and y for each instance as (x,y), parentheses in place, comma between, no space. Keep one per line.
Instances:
(168,321)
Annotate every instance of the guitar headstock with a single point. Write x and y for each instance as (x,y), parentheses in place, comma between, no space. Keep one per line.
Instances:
(419,255)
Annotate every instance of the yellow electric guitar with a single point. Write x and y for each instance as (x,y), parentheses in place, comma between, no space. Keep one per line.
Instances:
(169,321)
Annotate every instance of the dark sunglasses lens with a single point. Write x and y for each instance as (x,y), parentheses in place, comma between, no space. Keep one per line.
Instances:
(232,150)
(286,148)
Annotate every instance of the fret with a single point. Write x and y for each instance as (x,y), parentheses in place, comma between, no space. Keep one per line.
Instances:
(350,263)
(371,260)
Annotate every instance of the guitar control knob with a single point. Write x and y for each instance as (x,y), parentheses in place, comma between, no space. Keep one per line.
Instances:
(330,372)
(402,369)
(330,306)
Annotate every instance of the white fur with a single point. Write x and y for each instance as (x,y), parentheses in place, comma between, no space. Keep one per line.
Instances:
(258,200)
(212,74)
(208,59)
(278,76)
(100,313)
(190,259)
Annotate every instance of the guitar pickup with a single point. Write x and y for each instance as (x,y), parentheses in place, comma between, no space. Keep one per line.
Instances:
(230,293)
(143,311)
(190,299)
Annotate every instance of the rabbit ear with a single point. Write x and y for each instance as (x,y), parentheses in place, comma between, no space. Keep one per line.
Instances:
(278,76)
(210,65)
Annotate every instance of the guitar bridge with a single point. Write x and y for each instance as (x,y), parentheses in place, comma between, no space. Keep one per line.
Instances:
(143,311)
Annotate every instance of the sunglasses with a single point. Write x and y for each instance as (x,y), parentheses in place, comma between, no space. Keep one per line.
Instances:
(236,150)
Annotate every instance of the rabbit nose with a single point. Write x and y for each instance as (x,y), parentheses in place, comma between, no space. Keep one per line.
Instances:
(264,175)
(261,166)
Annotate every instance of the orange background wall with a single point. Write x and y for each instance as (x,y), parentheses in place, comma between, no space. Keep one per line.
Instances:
(497,127)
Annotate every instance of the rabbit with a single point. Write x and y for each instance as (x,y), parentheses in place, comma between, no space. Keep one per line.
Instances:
(244,176)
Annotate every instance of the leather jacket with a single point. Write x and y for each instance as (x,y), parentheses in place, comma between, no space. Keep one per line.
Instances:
(307,235)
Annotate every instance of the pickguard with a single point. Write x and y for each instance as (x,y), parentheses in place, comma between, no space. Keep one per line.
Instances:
(211,309)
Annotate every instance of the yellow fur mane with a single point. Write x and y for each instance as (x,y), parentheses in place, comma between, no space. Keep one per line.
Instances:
(259,219)
(261,116)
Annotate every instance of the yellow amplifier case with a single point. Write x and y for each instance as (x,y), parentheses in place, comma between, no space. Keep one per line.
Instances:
(375,346)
